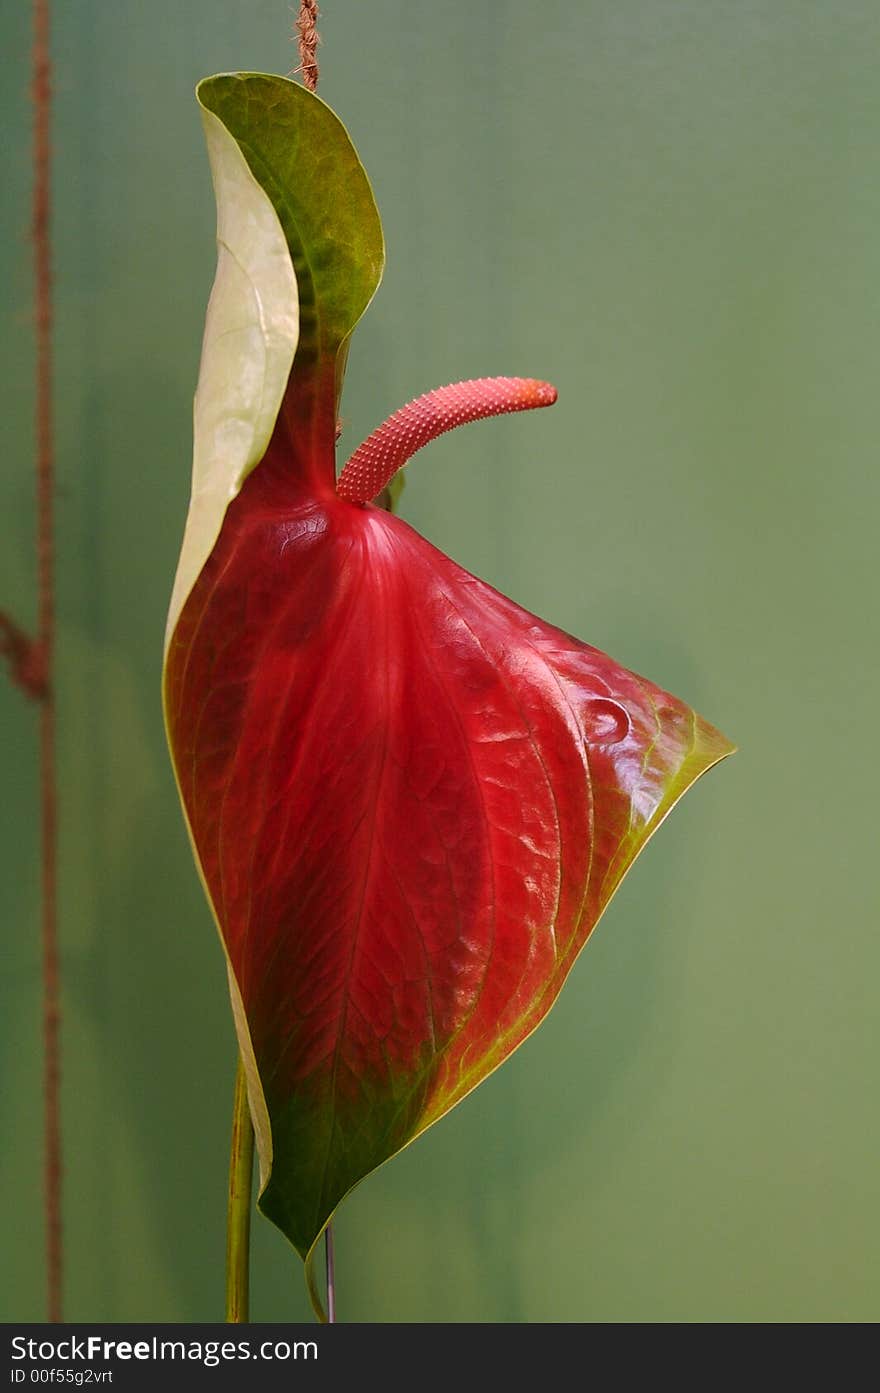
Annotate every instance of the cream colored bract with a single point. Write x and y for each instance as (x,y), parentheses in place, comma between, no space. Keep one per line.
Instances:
(251,333)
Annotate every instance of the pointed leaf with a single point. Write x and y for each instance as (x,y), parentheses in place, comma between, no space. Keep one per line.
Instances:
(300,255)
(302,157)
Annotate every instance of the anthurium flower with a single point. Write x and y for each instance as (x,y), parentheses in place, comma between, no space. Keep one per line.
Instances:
(409,799)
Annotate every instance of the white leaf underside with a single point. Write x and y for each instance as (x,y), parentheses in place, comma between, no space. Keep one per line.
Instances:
(251,333)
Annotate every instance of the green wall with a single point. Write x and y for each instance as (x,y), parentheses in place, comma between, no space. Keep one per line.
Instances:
(671,209)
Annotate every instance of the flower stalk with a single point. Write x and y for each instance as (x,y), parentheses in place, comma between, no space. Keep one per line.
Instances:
(238,1213)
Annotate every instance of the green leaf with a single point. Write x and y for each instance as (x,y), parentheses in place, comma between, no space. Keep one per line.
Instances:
(300,256)
(302,157)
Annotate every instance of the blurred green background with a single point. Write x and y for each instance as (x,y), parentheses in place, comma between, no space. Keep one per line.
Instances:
(672,211)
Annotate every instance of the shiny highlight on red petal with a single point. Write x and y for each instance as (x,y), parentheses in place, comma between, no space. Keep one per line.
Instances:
(377,460)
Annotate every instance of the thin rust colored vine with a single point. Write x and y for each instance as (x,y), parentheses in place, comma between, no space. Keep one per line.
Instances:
(30,658)
(307,28)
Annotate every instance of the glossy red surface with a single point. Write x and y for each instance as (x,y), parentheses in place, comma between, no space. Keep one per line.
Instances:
(411,800)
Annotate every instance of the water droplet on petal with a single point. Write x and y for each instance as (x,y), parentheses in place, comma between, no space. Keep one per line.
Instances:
(606,721)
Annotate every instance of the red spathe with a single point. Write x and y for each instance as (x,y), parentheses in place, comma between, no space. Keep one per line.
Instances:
(411,800)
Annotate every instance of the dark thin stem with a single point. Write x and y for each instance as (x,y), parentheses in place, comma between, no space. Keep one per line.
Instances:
(238,1213)
(331,1275)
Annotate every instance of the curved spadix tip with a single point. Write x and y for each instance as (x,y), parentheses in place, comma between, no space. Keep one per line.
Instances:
(377,460)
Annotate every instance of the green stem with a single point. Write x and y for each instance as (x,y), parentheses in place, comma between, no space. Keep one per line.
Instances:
(238,1212)
(330,1267)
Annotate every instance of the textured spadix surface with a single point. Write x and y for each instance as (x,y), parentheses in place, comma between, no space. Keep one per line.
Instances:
(410,800)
